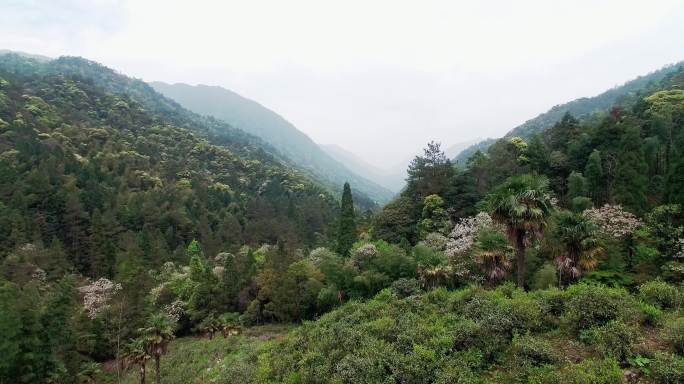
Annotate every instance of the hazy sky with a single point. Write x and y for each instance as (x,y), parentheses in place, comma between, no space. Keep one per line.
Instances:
(379,78)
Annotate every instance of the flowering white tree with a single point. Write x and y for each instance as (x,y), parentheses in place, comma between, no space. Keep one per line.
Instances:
(462,237)
(614,221)
(96,296)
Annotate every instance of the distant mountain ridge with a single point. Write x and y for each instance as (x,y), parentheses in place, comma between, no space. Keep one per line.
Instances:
(579,108)
(266,124)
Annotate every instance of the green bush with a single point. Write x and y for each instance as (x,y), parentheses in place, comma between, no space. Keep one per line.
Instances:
(552,301)
(405,287)
(615,339)
(660,294)
(674,334)
(591,371)
(667,369)
(651,313)
(528,349)
(590,306)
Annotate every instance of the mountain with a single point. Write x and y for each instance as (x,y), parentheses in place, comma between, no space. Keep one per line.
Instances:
(260,121)
(579,108)
(103,167)
(393,178)
(390,179)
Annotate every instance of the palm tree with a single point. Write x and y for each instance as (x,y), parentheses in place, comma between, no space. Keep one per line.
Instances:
(157,335)
(134,353)
(580,247)
(492,254)
(522,204)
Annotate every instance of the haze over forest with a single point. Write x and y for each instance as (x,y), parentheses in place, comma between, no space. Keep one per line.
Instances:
(315,192)
(351,73)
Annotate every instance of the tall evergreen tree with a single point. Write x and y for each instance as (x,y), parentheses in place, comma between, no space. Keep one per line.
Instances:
(593,173)
(630,180)
(346,235)
(674,188)
(577,185)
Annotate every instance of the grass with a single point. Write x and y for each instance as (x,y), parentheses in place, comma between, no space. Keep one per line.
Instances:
(200,360)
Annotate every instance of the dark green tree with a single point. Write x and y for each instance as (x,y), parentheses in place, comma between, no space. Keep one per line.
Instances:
(593,173)
(346,234)
(675,176)
(631,182)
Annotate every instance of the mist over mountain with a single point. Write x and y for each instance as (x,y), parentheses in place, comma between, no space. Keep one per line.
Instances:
(258,120)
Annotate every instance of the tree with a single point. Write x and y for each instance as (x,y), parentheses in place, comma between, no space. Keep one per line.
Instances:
(595,178)
(579,246)
(434,217)
(136,353)
(157,334)
(523,205)
(577,185)
(395,221)
(492,254)
(630,180)
(346,236)
(674,188)
(429,174)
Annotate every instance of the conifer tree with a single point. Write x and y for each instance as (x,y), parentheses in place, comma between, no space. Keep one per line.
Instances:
(630,179)
(593,173)
(347,226)
(674,188)
(577,185)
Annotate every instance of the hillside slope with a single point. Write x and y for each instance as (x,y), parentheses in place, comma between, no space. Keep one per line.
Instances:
(109,169)
(258,120)
(579,108)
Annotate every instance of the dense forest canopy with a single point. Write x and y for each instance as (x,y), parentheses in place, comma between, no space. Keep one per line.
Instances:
(127,222)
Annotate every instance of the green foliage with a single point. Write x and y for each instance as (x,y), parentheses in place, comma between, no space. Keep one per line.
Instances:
(588,306)
(346,236)
(674,334)
(527,349)
(667,368)
(434,217)
(661,294)
(614,339)
(545,277)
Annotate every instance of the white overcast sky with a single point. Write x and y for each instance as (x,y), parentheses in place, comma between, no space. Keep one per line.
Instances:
(379,78)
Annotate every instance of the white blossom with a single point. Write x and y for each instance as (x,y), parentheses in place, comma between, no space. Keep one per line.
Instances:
(614,221)
(96,296)
(367,251)
(175,310)
(462,237)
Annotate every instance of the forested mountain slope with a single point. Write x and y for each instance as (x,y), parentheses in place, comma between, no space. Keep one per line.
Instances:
(258,120)
(580,108)
(101,166)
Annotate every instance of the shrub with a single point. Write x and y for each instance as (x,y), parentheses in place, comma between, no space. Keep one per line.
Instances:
(674,334)
(614,339)
(552,301)
(667,369)
(660,294)
(528,349)
(405,287)
(457,373)
(592,371)
(590,306)
(651,313)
